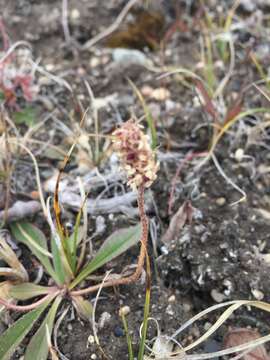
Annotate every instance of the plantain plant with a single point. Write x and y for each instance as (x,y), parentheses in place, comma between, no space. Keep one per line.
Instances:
(64,255)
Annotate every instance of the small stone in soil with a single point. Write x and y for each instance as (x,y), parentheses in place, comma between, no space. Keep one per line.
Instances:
(91,339)
(217,296)
(118,331)
(221,201)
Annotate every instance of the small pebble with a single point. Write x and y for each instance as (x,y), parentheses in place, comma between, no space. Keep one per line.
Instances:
(172,299)
(207,326)
(74,14)
(91,339)
(169,310)
(93,357)
(147,90)
(160,94)
(259,295)
(118,331)
(187,307)
(104,319)
(217,296)
(239,154)
(94,62)
(221,201)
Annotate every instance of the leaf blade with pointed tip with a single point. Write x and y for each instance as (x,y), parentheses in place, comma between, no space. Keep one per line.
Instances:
(35,240)
(114,245)
(12,337)
(38,347)
(27,291)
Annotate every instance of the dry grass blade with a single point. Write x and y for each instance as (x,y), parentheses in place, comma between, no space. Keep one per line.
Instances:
(229,180)
(12,48)
(9,256)
(56,206)
(208,103)
(55,333)
(40,191)
(233,306)
(229,73)
(264,93)
(111,28)
(178,221)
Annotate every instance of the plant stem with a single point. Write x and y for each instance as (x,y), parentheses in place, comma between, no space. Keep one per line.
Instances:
(32,306)
(143,251)
(129,343)
(146,308)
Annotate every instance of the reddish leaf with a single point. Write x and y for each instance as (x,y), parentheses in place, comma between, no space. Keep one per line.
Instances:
(235,109)
(178,221)
(240,336)
(208,103)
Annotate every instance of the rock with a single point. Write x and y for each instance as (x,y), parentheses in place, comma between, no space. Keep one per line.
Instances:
(221,201)
(217,296)
(91,339)
(100,225)
(146,90)
(252,5)
(248,5)
(104,319)
(118,331)
(239,154)
(94,62)
(172,299)
(160,94)
(129,56)
(74,15)
(259,295)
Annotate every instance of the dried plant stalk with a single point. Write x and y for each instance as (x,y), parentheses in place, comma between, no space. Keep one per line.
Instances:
(139,162)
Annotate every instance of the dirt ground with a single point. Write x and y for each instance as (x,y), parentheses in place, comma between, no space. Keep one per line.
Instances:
(222,254)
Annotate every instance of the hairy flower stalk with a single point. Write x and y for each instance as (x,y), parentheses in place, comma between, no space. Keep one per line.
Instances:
(138,161)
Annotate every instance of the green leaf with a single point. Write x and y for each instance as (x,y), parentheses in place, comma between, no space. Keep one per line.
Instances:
(38,347)
(57,263)
(35,240)
(27,291)
(27,116)
(114,245)
(83,307)
(73,240)
(13,336)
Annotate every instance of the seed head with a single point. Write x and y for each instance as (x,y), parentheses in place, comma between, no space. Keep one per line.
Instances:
(135,153)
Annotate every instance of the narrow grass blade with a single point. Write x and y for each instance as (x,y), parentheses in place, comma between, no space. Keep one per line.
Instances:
(38,347)
(57,263)
(128,337)
(27,291)
(84,307)
(12,337)
(10,257)
(228,124)
(148,115)
(35,240)
(113,246)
